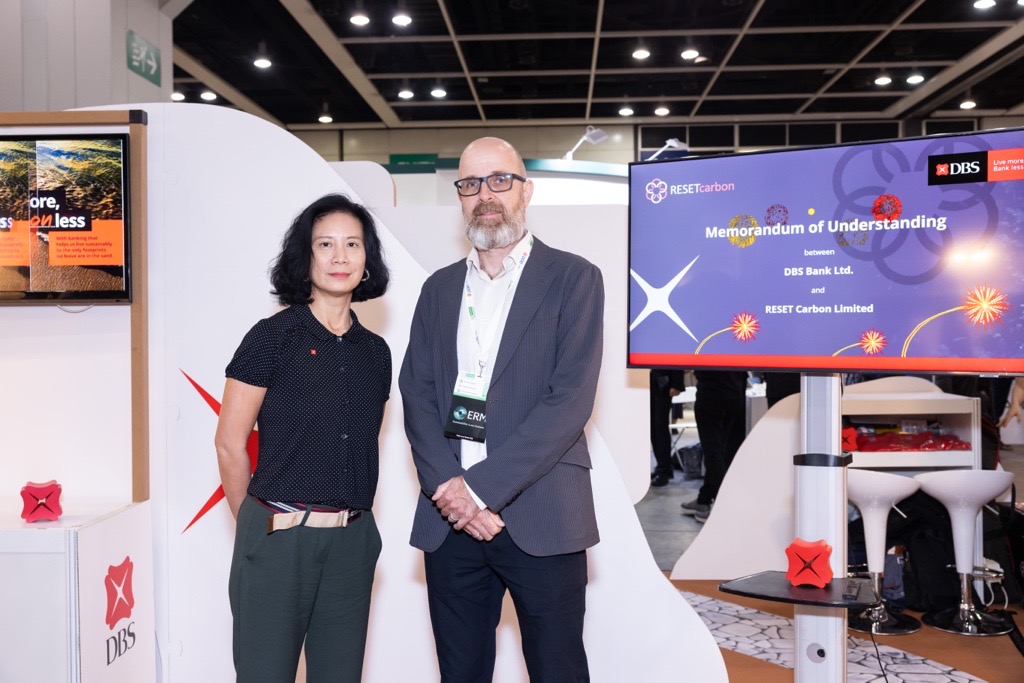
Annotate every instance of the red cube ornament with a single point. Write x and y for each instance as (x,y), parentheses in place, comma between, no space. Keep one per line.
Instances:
(42,501)
(808,563)
(849,435)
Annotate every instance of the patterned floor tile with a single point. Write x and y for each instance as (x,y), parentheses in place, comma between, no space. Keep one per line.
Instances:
(770,638)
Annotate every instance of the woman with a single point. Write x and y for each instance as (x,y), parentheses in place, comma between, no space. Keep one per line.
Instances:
(1013,409)
(315,381)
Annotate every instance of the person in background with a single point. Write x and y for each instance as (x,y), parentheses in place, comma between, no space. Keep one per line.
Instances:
(315,382)
(664,384)
(721,414)
(1013,410)
(779,385)
(497,384)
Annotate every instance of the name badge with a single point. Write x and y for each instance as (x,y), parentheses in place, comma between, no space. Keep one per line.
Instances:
(467,414)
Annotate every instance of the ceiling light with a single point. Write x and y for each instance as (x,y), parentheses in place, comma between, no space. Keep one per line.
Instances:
(359,19)
(883,80)
(914,79)
(968,103)
(986,4)
(325,115)
(641,53)
(701,59)
(405,94)
(625,111)
(438,92)
(401,19)
(177,96)
(594,136)
(208,95)
(262,61)
(689,53)
(661,111)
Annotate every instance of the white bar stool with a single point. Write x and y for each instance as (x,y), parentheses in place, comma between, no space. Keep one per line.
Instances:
(963,492)
(874,494)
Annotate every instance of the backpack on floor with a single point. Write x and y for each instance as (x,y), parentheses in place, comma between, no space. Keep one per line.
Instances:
(927,538)
(1011,517)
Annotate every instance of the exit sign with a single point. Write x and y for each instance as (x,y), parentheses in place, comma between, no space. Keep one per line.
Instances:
(143,58)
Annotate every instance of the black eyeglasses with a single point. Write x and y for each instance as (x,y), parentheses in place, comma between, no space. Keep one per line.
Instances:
(496,182)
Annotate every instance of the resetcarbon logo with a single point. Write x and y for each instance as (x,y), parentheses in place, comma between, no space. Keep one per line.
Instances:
(952,169)
(656,191)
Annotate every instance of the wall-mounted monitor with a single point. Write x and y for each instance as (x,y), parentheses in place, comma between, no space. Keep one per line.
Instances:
(64,219)
(900,256)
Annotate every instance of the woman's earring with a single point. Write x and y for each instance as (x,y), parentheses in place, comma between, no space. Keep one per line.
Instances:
(366,275)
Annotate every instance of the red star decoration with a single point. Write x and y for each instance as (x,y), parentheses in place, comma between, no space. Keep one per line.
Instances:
(252,447)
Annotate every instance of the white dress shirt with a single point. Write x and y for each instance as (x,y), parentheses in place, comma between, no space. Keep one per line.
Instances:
(492,299)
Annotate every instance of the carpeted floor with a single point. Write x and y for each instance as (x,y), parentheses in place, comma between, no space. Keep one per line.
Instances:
(757,644)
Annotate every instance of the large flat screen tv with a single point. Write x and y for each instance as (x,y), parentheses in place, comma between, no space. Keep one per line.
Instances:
(901,256)
(64,226)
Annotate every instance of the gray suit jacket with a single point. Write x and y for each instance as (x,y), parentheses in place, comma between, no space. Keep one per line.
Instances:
(537,471)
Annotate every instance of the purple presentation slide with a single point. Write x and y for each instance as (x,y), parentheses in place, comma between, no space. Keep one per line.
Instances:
(895,256)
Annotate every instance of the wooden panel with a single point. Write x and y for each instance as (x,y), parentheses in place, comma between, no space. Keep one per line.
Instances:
(135,120)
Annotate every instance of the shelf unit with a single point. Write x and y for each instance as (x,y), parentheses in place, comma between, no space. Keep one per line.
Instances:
(961,415)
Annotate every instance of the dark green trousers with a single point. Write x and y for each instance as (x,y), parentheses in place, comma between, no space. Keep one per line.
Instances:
(300,585)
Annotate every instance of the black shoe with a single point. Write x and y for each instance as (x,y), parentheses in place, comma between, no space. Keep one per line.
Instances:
(659,479)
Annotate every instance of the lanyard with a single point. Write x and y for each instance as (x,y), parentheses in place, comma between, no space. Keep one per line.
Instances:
(485,340)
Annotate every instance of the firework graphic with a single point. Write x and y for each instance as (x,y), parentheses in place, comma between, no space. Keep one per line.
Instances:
(887,207)
(744,328)
(871,343)
(983,306)
(743,220)
(776,214)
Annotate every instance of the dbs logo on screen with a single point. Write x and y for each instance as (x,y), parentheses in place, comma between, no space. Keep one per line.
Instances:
(656,191)
(949,169)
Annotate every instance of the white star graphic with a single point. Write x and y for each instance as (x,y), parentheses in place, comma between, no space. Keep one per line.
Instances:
(119,588)
(657,299)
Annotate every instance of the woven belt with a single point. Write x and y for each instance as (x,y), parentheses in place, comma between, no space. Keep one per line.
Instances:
(311,518)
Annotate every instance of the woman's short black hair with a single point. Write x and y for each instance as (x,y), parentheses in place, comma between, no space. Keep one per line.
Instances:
(290,272)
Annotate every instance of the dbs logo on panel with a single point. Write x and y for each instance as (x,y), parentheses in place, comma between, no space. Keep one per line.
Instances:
(942,169)
(120,597)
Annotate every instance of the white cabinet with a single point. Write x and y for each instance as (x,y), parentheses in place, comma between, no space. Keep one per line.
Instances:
(959,414)
(76,595)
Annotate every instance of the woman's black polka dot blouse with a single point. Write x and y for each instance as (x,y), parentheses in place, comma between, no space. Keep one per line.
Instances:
(320,420)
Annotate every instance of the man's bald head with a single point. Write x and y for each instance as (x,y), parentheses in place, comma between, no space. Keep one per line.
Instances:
(493,148)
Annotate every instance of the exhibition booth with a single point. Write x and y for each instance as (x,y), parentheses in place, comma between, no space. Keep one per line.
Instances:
(222,187)
(117,396)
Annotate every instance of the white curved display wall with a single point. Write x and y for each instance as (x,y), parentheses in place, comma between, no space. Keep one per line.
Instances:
(223,188)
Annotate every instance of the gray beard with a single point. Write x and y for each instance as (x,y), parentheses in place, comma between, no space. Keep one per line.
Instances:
(487,237)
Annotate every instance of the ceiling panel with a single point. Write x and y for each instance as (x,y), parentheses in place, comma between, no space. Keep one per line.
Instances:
(570,61)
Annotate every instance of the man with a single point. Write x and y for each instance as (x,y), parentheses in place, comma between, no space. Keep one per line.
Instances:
(664,384)
(721,414)
(498,383)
